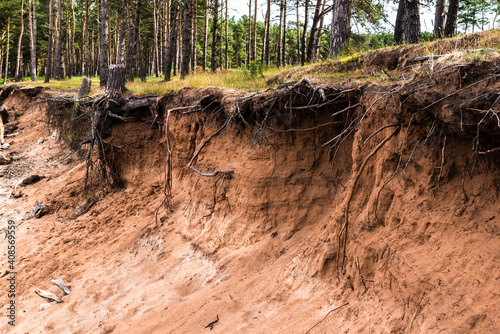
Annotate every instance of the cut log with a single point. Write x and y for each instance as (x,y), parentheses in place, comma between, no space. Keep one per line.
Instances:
(84,88)
(116,82)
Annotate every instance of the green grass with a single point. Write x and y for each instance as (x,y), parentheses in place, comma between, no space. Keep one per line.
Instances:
(238,79)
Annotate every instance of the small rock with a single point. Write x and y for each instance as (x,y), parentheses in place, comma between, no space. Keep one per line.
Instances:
(109,328)
(31,179)
(40,210)
(4,146)
(40,141)
(17,193)
(49,296)
(44,306)
(5,160)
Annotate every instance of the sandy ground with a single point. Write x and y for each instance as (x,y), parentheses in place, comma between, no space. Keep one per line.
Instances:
(257,252)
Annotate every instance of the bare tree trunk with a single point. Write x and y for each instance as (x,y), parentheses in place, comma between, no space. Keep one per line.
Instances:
(254,45)
(227,41)
(130,58)
(399,28)
(85,55)
(32,22)
(205,36)
(103,59)
(194,36)
(298,31)
(166,33)
(439,18)
(451,20)
(314,29)
(221,64)
(48,70)
(304,35)
(140,64)
(249,43)
(412,22)
(172,45)
(155,33)
(1,53)
(58,65)
(214,36)
(19,64)
(177,43)
(7,52)
(267,32)
(186,40)
(283,53)
(317,39)
(280,34)
(121,37)
(341,26)
(69,51)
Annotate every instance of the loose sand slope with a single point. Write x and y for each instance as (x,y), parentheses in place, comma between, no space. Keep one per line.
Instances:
(259,248)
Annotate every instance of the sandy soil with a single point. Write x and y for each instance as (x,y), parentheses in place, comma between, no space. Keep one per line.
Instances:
(259,250)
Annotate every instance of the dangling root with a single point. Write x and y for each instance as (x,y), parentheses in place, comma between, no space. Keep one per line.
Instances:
(342,235)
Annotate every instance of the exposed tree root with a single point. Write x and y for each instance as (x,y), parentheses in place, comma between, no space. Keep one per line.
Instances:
(342,235)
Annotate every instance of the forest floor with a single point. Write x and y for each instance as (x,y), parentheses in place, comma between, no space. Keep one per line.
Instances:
(346,206)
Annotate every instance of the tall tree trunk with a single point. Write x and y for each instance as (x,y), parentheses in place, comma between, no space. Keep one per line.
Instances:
(7,52)
(317,40)
(283,53)
(130,58)
(267,32)
(280,34)
(227,40)
(214,36)
(399,28)
(412,22)
(205,36)
(48,71)
(341,26)
(32,14)
(177,44)
(451,19)
(1,54)
(314,28)
(140,64)
(249,43)
(103,59)
(254,45)
(155,35)
(19,64)
(220,35)
(304,35)
(298,31)
(58,65)
(166,44)
(194,36)
(439,18)
(172,46)
(121,36)
(186,40)
(85,55)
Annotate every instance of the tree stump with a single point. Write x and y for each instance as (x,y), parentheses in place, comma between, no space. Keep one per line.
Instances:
(116,82)
(84,88)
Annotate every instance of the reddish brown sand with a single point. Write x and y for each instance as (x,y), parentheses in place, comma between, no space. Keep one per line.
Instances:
(257,251)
